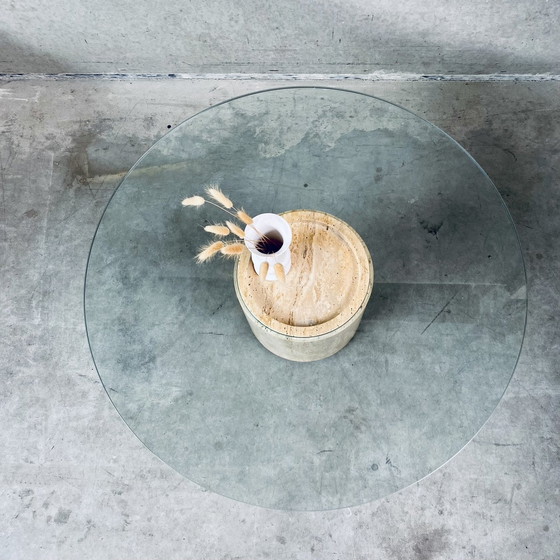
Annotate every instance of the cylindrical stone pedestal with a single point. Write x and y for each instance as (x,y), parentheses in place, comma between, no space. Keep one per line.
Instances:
(316,310)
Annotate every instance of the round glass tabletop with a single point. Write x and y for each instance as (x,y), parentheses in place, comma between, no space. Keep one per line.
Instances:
(434,352)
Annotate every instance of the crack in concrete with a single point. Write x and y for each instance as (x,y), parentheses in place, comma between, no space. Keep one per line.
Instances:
(380,76)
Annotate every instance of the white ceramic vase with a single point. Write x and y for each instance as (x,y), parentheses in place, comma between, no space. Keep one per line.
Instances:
(268,239)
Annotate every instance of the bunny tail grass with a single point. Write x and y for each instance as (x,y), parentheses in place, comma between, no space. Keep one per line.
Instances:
(235,229)
(217,229)
(193,201)
(232,249)
(244,217)
(263,270)
(214,192)
(208,251)
(279,269)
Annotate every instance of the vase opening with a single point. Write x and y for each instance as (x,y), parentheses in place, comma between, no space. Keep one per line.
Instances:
(271,242)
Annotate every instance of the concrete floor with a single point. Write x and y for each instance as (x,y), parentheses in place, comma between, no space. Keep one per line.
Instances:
(322,36)
(74,480)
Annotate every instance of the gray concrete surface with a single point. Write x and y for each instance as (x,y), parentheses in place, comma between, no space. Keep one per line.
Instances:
(76,483)
(314,36)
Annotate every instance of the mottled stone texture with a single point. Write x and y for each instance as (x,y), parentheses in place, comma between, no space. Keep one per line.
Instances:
(319,36)
(75,482)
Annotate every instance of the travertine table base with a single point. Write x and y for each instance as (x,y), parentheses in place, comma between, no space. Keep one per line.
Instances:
(316,310)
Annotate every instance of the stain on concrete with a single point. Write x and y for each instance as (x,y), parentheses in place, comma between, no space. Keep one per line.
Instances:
(89,526)
(31,213)
(431,544)
(431,227)
(25,493)
(94,154)
(62,516)
(358,422)
(394,467)
(27,497)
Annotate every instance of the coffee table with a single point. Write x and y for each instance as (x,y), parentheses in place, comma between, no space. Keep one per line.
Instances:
(433,355)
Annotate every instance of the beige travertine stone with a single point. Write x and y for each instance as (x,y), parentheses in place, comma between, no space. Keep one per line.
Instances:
(317,309)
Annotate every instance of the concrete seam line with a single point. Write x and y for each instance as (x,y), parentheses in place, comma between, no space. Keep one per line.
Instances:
(269,76)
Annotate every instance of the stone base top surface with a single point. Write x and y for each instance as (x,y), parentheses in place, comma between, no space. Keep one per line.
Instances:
(330,279)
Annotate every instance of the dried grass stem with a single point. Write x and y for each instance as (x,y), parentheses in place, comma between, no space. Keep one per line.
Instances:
(208,251)
(232,249)
(218,229)
(235,229)
(215,193)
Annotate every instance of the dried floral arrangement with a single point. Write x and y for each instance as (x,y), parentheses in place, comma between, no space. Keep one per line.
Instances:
(229,248)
